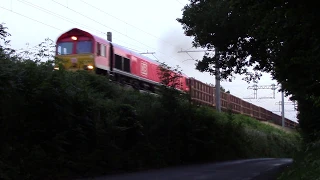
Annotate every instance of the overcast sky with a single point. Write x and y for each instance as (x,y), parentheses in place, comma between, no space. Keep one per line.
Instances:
(141,25)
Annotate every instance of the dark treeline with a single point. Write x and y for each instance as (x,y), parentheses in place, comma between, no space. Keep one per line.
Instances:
(276,37)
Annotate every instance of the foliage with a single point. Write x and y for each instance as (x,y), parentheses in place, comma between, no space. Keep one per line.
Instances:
(62,125)
(43,51)
(4,42)
(276,37)
(169,77)
(4,34)
(171,80)
(265,31)
(223,90)
(306,164)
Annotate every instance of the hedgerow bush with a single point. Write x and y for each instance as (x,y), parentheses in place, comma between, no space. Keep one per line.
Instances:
(306,164)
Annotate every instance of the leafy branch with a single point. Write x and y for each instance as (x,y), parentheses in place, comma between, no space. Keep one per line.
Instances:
(170,77)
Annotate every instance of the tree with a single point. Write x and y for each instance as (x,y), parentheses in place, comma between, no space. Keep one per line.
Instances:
(4,34)
(222,89)
(5,49)
(169,77)
(276,37)
(42,52)
(262,35)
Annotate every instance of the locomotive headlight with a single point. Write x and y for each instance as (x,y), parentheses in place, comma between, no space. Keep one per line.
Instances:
(56,68)
(87,67)
(74,38)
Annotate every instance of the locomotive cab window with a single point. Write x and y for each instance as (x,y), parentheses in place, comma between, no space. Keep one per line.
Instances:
(65,48)
(103,50)
(84,47)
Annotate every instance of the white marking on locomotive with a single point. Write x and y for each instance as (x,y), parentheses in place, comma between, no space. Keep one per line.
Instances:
(144,69)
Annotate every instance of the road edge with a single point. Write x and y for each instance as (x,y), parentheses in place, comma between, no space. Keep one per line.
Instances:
(273,173)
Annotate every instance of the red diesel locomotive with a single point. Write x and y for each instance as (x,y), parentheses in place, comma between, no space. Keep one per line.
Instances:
(81,50)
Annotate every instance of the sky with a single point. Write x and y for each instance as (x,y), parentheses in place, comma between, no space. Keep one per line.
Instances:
(140,25)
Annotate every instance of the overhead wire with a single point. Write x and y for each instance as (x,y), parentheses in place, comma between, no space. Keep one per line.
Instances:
(105,25)
(179,2)
(125,22)
(114,30)
(62,17)
(47,11)
(31,19)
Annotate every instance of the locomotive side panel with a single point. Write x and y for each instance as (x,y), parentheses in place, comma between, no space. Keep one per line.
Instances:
(121,61)
(134,64)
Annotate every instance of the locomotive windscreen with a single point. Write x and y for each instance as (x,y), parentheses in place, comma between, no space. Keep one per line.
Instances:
(65,48)
(84,47)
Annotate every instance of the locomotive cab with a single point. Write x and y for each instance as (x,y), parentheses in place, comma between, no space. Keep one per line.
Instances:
(75,50)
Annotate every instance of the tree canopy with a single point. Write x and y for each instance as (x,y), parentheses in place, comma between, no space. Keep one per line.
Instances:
(277,37)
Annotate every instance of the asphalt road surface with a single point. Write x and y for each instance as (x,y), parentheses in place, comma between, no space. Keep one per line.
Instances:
(251,169)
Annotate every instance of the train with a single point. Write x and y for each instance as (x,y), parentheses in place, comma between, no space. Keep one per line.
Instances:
(203,94)
(82,50)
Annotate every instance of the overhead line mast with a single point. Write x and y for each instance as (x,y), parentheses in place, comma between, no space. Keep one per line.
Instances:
(217,76)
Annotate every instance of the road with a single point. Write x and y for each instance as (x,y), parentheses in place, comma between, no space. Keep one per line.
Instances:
(252,169)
